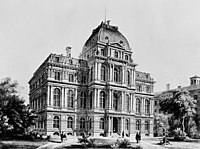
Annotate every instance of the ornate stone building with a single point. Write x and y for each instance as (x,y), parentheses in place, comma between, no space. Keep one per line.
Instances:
(99,93)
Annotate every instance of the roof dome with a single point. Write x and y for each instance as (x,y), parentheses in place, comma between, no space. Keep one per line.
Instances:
(106,33)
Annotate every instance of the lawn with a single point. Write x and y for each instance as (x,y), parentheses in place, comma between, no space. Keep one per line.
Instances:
(174,144)
(17,144)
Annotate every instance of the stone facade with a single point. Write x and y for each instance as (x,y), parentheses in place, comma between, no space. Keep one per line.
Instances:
(99,93)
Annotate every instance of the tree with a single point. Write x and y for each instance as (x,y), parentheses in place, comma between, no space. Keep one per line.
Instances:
(182,108)
(161,125)
(16,117)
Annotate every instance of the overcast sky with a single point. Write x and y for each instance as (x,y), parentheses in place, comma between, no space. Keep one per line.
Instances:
(164,35)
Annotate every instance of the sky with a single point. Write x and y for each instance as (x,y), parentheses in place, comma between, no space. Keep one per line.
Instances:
(164,35)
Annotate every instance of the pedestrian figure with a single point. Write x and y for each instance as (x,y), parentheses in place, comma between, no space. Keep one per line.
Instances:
(137,137)
(62,136)
(123,134)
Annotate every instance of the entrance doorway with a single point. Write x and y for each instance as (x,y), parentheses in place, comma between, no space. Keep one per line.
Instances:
(115,125)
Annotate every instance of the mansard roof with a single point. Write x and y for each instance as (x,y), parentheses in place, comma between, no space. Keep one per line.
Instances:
(106,33)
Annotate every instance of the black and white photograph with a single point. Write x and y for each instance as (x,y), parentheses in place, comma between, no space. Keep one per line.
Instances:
(100,74)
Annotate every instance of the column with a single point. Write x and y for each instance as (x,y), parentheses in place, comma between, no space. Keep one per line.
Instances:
(95,97)
(95,71)
(131,103)
(75,98)
(122,99)
(113,72)
(133,76)
(51,96)
(99,71)
(62,97)
(110,75)
(110,96)
(75,124)
(123,75)
(48,94)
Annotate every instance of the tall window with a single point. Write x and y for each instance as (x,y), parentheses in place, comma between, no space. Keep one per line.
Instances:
(115,101)
(116,75)
(138,125)
(57,75)
(56,122)
(56,98)
(127,103)
(139,87)
(126,57)
(83,80)
(83,100)
(138,105)
(101,124)
(82,123)
(69,122)
(126,124)
(71,78)
(128,78)
(146,125)
(91,93)
(116,54)
(147,105)
(70,103)
(102,100)
(102,52)
(91,74)
(90,123)
(103,73)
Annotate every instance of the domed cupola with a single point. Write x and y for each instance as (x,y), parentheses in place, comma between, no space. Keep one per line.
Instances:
(106,34)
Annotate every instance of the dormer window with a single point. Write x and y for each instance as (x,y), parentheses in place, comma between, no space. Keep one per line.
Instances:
(70,61)
(57,75)
(121,42)
(116,54)
(126,57)
(57,59)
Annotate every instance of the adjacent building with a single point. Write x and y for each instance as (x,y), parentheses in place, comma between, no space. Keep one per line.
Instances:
(193,88)
(99,93)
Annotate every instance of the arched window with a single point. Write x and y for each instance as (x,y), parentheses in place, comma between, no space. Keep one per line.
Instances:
(147,105)
(82,123)
(69,122)
(127,103)
(101,124)
(56,122)
(103,73)
(83,100)
(115,101)
(138,105)
(70,100)
(137,125)
(91,74)
(57,75)
(71,78)
(116,75)
(56,98)
(146,125)
(128,77)
(126,124)
(102,100)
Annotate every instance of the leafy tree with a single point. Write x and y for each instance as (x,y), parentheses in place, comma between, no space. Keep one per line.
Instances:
(161,125)
(15,116)
(183,109)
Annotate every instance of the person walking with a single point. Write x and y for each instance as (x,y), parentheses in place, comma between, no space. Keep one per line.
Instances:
(62,136)
(137,137)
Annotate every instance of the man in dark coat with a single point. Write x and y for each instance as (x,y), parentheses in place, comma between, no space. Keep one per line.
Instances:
(137,137)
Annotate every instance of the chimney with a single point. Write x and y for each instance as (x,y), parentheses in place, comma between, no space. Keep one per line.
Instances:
(167,87)
(68,52)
